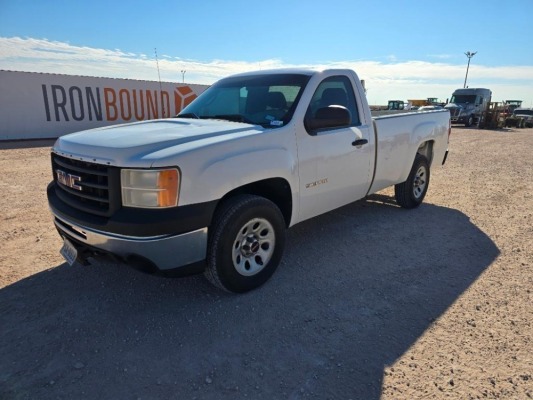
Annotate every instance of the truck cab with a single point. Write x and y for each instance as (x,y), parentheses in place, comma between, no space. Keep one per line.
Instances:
(466,105)
(397,105)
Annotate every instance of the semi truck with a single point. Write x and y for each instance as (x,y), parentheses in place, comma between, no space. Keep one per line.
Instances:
(215,188)
(467,105)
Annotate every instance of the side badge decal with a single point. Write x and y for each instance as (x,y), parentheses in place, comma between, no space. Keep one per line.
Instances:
(315,184)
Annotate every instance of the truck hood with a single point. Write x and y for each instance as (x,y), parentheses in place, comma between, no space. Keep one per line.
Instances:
(135,144)
(452,105)
(465,106)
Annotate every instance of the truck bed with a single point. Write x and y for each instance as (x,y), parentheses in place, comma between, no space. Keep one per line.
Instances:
(399,136)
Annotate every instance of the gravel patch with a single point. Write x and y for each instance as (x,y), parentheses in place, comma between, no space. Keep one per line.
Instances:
(371,301)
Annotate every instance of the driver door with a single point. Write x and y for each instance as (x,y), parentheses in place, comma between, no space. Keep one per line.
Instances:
(333,169)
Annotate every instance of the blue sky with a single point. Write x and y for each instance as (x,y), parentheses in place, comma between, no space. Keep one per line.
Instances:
(403,49)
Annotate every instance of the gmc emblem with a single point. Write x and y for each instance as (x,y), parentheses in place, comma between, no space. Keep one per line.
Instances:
(69,180)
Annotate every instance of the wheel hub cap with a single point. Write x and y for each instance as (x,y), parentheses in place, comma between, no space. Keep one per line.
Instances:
(420,182)
(250,246)
(253,247)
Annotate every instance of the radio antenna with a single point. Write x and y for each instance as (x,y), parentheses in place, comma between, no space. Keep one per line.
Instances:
(160,86)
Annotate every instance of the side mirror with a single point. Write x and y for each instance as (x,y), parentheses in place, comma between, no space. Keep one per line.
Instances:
(328,117)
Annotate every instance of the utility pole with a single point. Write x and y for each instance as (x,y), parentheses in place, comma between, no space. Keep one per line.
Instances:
(183,76)
(469,54)
(160,86)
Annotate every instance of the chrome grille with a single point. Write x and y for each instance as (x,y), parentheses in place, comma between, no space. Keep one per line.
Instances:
(89,187)
(454,112)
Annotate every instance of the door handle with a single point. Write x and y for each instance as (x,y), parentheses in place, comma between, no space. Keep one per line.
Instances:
(359,142)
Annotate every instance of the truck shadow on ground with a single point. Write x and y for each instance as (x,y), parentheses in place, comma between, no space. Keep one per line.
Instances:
(357,287)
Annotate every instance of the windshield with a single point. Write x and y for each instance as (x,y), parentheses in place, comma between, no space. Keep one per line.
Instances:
(523,112)
(463,99)
(267,100)
(396,105)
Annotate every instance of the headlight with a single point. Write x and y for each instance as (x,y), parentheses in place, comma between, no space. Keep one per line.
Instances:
(150,188)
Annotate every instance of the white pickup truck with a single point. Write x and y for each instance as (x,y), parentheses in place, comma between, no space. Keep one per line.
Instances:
(214,189)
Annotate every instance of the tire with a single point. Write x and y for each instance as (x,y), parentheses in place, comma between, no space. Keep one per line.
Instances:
(470,121)
(246,242)
(411,193)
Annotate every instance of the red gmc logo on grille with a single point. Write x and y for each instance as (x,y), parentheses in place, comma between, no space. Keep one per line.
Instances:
(69,180)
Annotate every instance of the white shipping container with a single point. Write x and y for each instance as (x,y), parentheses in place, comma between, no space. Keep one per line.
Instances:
(38,105)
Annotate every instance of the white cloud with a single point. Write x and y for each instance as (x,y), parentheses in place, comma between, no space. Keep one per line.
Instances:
(390,80)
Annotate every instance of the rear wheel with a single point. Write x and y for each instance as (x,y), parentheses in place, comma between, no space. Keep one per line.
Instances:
(246,243)
(411,193)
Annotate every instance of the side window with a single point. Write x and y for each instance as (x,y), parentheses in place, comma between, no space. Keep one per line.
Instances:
(335,90)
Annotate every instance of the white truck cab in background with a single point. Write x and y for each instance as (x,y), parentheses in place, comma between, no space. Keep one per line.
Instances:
(214,189)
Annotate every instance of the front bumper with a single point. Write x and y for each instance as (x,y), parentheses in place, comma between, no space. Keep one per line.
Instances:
(459,120)
(163,252)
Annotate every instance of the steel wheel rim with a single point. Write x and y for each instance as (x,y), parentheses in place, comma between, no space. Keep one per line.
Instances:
(420,182)
(253,246)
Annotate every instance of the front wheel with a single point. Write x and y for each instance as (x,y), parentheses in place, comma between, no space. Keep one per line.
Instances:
(470,121)
(411,193)
(246,243)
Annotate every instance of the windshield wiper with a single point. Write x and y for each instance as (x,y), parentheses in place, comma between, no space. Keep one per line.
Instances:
(232,118)
(188,115)
(226,117)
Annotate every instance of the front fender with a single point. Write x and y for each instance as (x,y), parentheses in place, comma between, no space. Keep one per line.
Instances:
(210,172)
(239,169)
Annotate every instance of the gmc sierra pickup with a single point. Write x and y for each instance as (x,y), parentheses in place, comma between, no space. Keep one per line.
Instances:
(214,189)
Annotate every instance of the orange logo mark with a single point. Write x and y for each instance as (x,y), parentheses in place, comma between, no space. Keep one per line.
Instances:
(183,96)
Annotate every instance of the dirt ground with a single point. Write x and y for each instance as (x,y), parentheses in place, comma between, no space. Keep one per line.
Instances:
(370,302)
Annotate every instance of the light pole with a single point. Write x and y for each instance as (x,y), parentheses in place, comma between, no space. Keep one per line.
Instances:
(183,76)
(469,54)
